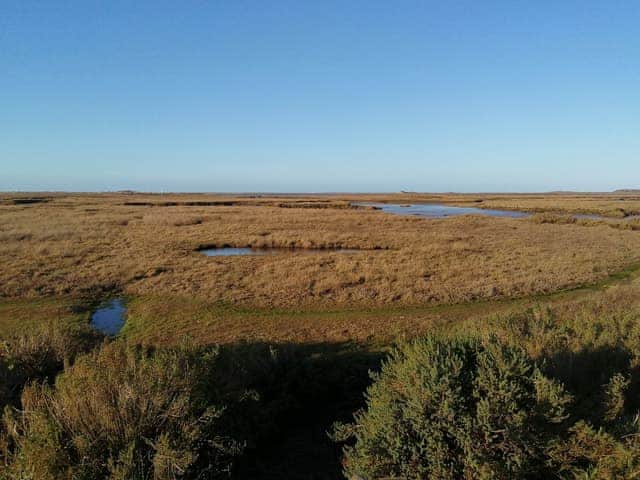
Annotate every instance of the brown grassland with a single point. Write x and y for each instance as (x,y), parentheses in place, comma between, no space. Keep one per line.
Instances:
(62,251)
(72,243)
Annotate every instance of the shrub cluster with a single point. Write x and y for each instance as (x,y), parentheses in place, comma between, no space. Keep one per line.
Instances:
(124,412)
(455,409)
(121,411)
(41,355)
(524,397)
(465,408)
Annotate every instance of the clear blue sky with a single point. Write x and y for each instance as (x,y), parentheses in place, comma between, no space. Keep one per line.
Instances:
(319,96)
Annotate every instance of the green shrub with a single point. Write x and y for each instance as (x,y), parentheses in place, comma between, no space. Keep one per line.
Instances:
(590,453)
(455,409)
(125,413)
(593,350)
(40,356)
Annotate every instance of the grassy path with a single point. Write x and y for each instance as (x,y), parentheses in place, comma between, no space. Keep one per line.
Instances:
(165,320)
(156,320)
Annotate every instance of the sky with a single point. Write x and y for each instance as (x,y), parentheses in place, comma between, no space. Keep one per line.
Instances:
(319,96)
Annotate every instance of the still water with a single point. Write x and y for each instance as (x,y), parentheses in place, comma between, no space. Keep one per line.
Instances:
(441,211)
(110,317)
(233,251)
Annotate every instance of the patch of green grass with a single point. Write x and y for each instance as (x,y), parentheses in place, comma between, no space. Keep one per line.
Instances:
(160,319)
(164,320)
(18,316)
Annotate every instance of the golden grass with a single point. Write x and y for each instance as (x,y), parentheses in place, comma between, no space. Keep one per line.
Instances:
(165,320)
(74,243)
(162,320)
(452,275)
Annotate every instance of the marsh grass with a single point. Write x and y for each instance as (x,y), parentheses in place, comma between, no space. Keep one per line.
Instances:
(62,246)
(297,335)
(567,219)
(158,320)
(23,315)
(606,204)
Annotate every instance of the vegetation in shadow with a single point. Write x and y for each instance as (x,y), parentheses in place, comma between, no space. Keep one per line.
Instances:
(449,408)
(532,395)
(303,389)
(125,411)
(40,356)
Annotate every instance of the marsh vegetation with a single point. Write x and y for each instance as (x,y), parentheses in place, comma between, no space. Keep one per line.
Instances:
(466,347)
(75,243)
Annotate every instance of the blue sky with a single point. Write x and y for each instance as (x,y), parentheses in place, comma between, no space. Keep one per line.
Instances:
(319,96)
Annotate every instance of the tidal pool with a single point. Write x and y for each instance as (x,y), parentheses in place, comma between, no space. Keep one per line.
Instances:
(589,216)
(434,210)
(595,216)
(109,318)
(233,251)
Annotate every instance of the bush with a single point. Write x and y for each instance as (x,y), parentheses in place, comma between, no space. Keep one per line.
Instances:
(590,453)
(244,398)
(125,413)
(455,409)
(40,356)
(593,350)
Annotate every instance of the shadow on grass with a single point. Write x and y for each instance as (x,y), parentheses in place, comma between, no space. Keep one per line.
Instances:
(305,388)
(302,389)
(587,372)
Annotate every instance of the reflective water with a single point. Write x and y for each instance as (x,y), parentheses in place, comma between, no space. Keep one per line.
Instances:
(595,216)
(233,251)
(441,211)
(588,216)
(110,317)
